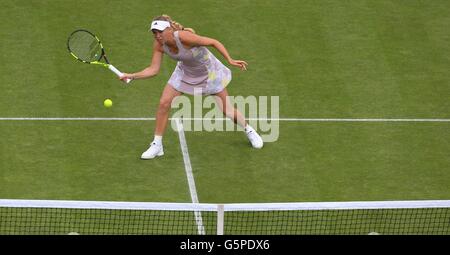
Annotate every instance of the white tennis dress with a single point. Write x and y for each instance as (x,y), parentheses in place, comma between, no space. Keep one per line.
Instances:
(198,71)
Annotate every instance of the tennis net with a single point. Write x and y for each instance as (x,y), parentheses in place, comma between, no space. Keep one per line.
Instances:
(56,217)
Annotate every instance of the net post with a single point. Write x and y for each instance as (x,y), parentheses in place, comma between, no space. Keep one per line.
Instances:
(220,219)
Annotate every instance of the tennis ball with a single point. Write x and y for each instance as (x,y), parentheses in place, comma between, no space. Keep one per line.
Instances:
(107,103)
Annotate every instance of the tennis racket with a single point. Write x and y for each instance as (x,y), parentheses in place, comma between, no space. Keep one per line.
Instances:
(87,48)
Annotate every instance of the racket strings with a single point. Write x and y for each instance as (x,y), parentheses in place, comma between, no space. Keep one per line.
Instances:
(85,46)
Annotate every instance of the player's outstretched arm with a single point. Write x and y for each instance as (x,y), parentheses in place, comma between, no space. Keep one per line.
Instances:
(197,40)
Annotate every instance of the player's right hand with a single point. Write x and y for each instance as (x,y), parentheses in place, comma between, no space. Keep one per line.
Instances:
(125,77)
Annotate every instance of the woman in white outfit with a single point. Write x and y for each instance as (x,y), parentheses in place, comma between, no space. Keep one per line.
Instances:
(198,71)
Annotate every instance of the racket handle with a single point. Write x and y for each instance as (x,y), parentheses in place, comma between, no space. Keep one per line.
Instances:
(119,73)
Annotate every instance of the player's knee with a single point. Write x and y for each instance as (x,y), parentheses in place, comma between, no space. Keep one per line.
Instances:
(164,104)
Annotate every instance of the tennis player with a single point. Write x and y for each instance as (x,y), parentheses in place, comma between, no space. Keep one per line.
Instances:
(198,71)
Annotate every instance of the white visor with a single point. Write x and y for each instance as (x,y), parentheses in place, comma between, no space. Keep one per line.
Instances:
(160,25)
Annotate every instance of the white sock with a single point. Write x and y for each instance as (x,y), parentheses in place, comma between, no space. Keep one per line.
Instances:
(158,139)
(248,128)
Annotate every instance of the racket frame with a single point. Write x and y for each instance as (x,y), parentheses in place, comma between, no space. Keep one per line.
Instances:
(97,62)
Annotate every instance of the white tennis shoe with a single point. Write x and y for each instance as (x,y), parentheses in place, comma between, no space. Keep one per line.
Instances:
(155,150)
(254,138)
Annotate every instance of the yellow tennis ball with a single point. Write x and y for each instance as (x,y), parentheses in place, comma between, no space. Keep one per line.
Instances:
(107,103)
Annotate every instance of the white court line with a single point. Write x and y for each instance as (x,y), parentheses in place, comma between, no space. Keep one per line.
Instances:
(360,120)
(190,176)
(77,118)
(218,119)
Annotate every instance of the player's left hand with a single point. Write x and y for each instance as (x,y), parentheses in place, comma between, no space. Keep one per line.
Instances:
(239,63)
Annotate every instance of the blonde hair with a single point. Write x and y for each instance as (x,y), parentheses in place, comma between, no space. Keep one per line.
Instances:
(175,25)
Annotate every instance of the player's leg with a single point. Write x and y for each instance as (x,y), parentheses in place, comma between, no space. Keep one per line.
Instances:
(234,114)
(162,116)
(227,108)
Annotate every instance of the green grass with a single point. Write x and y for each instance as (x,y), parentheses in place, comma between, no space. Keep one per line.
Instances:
(325,162)
(324,59)
(74,161)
